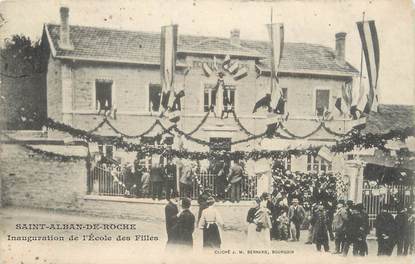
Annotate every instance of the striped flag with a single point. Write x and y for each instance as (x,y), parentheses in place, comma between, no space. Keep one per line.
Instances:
(168,48)
(276,33)
(370,46)
(226,62)
(233,68)
(241,73)
(206,69)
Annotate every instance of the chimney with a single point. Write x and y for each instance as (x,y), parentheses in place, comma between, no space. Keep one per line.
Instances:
(235,40)
(64,42)
(340,47)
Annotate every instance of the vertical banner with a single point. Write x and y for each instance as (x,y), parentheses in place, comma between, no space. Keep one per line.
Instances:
(276,33)
(168,49)
(370,46)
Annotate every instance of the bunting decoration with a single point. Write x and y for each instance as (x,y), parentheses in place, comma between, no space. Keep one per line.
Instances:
(170,99)
(370,46)
(274,101)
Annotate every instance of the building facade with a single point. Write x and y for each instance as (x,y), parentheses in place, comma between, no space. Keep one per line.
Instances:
(91,68)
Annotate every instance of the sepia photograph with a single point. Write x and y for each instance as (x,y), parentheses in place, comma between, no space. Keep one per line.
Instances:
(207,131)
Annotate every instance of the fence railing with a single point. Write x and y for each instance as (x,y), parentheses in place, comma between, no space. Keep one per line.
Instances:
(375,198)
(111,181)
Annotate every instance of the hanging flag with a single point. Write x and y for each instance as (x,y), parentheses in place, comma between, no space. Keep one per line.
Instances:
(360,103)
(276,33)
(226,62)
(206,69)
(168,48)
(241,73)
(263,102)
(233,68)
(370,46)
(338,104)
(215,64)
(258,71)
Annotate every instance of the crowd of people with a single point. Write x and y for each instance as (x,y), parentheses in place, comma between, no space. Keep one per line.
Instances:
(348,226)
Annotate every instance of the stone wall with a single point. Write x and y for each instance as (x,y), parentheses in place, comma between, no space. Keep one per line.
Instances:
(30,180)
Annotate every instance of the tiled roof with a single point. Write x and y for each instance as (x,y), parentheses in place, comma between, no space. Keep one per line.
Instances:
(390,117)
(143,47)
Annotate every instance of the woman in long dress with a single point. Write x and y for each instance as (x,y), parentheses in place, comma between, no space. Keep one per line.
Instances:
(263,222)
(211,222)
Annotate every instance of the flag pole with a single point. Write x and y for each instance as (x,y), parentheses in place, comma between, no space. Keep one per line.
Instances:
(272,53)
(361,56)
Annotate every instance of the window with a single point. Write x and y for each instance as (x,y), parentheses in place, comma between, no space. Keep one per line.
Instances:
(318,164)
(322,101)
(154,91)
(106,151)
(103,94)
(210,97)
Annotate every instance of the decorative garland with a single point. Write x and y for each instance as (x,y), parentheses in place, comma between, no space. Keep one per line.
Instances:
(52,155)
(355,139)
(200,124)
(301,137)
(242,127)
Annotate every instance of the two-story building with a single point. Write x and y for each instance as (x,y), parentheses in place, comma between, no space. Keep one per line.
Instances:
(88,67)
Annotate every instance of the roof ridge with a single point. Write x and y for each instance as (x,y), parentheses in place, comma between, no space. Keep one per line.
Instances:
(186,35)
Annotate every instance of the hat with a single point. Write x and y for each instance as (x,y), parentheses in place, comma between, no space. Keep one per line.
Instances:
(359,206)
(186,202)
(210,200)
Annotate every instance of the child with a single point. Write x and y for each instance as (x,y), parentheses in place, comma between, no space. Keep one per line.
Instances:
(283,225)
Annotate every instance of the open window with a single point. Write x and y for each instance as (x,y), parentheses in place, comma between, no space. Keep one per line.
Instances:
(103,94)
(210,97)
(322,101)
(154,91)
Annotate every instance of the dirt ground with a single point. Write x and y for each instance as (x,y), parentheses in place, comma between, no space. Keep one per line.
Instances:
(98,249)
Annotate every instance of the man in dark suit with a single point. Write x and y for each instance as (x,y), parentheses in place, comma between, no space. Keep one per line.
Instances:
(402,228)
(156,178)
(185,226)
(170,178)
(296,214)
(385,232)
(171,212)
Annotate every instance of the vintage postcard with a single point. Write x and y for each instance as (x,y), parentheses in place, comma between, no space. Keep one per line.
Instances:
(201,131)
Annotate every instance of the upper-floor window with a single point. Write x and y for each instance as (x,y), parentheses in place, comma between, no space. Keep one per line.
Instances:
(322,101)
(318,164)
(103,94)
(154,91)
(210,97)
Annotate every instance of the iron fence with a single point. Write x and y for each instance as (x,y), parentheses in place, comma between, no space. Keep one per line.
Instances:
(111,181)
(377,197)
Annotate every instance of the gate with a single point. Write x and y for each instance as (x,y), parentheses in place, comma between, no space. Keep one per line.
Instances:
(108,180)
(208,180)
(374,198)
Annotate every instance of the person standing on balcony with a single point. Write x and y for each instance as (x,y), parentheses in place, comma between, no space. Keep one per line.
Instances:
(156,178)
(186,181)
(234,178)
(211,223)
(170,178)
